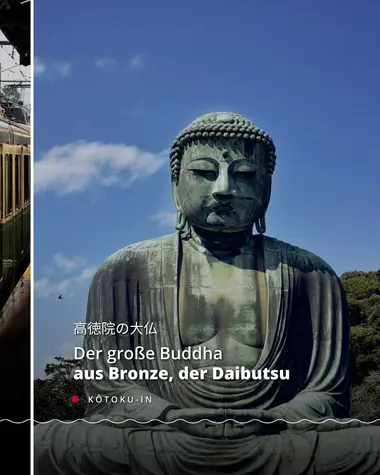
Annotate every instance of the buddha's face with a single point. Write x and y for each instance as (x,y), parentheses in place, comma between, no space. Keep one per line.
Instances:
(223,186)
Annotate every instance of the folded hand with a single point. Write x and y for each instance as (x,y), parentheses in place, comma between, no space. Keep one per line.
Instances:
(250,422)
(198,422)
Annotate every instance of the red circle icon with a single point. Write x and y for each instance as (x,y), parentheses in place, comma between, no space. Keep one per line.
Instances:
(75,399)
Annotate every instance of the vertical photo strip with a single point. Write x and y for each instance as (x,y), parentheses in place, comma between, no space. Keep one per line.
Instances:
(15,234)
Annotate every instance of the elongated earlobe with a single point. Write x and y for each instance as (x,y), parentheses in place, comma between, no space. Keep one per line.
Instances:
(180,222)
(261,225)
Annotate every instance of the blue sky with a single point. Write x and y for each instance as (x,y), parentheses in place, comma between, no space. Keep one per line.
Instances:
(113,87)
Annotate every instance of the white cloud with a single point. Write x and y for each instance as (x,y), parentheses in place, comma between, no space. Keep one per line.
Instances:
(137,63)
(52,70)
(74,167)
(46,287)
(86,274)
(166,219)
(39,67)
(105,63)
(66,264)
(63,68)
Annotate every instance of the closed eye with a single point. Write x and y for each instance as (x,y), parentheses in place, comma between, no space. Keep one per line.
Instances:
(246,173)
(208,174)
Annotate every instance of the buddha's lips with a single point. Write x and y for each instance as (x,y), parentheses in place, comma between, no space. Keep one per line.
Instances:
(222,204)
(221,207)
(229,205)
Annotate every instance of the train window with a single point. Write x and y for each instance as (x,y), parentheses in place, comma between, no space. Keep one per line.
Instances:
(26,178)
(17,181)
(1,189)
(9,184)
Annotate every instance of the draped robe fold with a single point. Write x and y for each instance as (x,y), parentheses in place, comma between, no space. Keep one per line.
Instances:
(307,333)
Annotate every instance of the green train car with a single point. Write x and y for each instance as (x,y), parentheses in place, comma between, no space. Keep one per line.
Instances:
(15,168)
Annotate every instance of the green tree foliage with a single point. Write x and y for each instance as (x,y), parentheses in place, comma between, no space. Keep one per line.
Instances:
(363,296)
(365,398)
(53,394)
(12,94)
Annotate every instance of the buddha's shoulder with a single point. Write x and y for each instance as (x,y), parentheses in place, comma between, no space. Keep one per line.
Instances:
(298,257)
(140,251)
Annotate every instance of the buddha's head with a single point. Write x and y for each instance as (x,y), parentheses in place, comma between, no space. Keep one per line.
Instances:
(222,166)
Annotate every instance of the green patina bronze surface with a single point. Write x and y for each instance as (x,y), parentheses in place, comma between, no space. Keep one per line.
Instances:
(214,285)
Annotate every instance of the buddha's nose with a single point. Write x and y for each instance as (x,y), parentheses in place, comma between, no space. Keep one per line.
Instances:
(222,185)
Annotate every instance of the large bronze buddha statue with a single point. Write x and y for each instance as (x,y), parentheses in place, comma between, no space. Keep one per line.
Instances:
(252,300)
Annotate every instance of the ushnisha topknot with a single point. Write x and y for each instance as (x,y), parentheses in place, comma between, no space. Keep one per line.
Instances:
(223,125)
